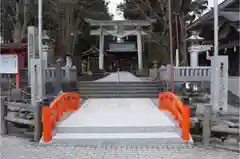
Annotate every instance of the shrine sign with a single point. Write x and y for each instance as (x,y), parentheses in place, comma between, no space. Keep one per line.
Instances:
(8,64)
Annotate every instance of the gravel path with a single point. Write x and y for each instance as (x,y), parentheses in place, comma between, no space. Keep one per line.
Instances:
(19,148)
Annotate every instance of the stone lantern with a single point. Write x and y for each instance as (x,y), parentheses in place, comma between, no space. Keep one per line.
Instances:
(194,41)
(47,49)
(196,47)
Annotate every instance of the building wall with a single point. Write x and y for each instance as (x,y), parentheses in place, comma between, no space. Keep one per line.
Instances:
(233,57)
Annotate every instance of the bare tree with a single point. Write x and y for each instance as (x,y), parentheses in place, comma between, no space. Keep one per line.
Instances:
(186,10)
(16,14)
(69,20)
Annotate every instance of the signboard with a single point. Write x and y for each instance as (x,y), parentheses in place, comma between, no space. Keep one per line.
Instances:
(122,47)
(219,88)
(8,64)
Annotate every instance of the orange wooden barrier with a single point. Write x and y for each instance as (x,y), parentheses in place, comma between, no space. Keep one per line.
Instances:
(170,102)
(65,102)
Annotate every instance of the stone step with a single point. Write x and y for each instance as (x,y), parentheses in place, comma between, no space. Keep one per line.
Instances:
(114,84)
(122,86)
(125,89)
(117,88)
(120,91)
(130,91)
(115,129)
(116,95)
(116,138)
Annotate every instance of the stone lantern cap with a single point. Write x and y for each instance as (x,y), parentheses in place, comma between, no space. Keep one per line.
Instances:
(45,36)
(195,37)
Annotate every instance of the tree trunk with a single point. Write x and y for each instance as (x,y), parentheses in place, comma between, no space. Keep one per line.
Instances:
(20,29)
(70,25)
(183,44)
(17,37)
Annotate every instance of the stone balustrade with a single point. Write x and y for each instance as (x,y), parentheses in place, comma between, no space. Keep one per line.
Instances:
(50,75)
(182,73)
(67,74)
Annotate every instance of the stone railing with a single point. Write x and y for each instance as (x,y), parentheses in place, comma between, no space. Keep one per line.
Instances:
(50,75)
(182,73)
(67,74)
(192,74)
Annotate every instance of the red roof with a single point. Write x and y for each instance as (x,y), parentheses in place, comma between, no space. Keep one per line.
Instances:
(13,48)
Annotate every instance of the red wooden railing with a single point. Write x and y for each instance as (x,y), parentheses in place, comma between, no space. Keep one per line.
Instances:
(65,102)
(170,102)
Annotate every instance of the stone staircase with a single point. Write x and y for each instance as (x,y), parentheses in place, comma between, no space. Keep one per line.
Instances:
(126,89)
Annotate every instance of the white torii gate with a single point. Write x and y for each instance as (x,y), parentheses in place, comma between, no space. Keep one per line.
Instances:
(119,32)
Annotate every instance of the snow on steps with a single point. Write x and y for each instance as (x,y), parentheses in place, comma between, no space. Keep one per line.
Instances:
(114,138)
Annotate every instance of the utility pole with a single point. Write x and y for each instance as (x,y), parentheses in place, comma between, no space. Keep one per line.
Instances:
(42,68)
(215,27)
(170,30)
(177,41)
(170,42)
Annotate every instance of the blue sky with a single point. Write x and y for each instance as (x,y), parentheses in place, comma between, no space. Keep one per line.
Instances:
(113,8)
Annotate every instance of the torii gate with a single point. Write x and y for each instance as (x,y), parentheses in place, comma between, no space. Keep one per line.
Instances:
(120,32)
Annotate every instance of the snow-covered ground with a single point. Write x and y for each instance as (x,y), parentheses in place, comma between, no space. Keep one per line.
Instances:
(119,76)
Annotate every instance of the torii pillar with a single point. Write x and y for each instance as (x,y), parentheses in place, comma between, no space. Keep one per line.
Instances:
(101,49)
(139,49)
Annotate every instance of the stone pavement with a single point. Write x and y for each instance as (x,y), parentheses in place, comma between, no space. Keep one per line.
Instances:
(19,148)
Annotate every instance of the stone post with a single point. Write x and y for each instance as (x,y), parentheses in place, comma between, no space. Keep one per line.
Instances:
(207,125)
(58,82)
(3,123)
(177,57)
(219,84)
(194,59)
